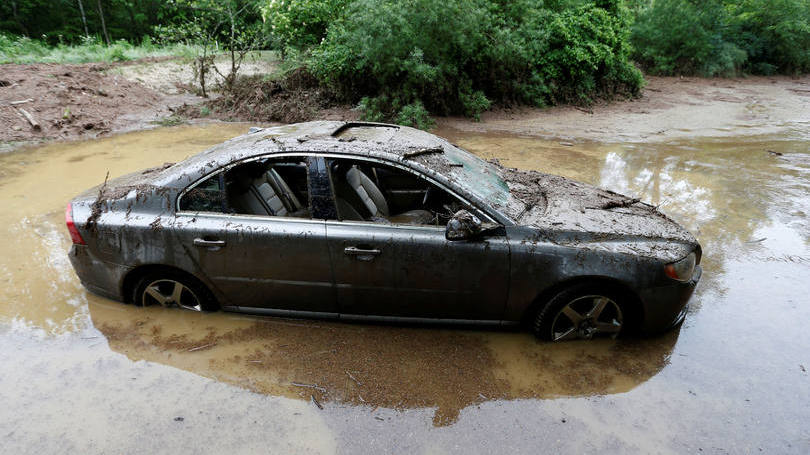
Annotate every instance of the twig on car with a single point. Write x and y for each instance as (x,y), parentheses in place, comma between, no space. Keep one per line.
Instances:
(415,153)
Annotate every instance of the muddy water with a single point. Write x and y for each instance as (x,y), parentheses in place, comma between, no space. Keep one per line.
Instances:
(83,373)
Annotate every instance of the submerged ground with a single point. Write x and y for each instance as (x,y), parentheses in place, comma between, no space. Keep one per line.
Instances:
(81,373)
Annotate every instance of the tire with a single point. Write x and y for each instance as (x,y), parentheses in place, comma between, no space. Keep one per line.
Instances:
(582,312)
(170,288)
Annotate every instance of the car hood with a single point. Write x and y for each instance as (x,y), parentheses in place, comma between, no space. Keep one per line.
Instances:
(565,211)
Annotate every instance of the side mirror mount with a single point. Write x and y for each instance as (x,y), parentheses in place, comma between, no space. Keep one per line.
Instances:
(466,226)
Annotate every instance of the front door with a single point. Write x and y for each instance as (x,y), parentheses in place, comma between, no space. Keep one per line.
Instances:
(389,252)
(413,271)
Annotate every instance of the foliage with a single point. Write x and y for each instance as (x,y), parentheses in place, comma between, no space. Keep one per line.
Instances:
(723,37)
(459,55)
(300,23)
(15,49)
(60,21)
(229,23)
(382,108)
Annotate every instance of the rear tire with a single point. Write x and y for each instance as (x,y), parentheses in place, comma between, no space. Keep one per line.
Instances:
(170,288)
(582,312)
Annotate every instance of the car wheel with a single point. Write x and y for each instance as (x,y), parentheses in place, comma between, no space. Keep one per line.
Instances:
(582,312)
(169,289)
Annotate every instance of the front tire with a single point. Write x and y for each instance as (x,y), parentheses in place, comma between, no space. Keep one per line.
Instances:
(582,312)
(169,288)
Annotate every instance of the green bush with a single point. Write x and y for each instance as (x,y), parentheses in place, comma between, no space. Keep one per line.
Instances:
(775,34)
(458,56)
(300,23)
(723,37)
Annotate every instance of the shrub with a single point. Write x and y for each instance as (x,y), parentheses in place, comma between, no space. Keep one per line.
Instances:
(775,34)
(685,37)
(459,55)
(723,37)
(300,23)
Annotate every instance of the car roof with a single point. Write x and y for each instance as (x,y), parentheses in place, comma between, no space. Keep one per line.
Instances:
(362,139)
(353,138)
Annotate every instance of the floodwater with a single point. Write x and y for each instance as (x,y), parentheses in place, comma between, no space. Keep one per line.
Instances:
(83,374)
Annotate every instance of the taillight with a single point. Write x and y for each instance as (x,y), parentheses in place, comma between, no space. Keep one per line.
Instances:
(74,233)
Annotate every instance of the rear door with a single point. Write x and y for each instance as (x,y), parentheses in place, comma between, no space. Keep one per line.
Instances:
(257,262)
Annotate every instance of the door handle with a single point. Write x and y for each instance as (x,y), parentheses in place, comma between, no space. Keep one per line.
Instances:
(355,251)
(209,243)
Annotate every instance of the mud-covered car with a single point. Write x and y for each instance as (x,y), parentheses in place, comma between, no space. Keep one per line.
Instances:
(383,222)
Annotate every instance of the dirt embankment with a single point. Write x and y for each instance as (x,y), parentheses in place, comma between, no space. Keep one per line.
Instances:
(68,101)
(88,100)
(669,108)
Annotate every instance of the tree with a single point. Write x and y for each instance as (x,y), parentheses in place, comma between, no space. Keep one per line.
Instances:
(103,24)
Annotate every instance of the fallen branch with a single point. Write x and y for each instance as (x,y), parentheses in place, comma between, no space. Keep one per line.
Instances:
(310,386)
(201,347)
(30,119)
(14,103)
(317,403)
(587,111)
(354,379)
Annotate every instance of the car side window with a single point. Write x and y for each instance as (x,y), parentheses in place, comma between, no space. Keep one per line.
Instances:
(368,191)
(207,196)
(269,187)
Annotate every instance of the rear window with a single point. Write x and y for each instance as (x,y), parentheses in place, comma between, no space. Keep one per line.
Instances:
(208,196)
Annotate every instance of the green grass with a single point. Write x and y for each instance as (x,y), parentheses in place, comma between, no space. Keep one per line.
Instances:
(17,49)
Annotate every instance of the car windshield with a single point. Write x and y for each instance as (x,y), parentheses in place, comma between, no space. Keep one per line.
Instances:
(482,179)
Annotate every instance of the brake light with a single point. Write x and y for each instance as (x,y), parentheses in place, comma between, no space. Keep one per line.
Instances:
(74,233)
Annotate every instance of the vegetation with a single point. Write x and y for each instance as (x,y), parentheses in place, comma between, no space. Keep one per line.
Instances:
(403,60)
(20,49)
(723,37)
(459,56)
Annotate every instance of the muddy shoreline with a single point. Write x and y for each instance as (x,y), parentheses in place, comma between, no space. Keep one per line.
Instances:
(85,101)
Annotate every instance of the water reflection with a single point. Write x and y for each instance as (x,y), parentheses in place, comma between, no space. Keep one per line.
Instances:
(377,366)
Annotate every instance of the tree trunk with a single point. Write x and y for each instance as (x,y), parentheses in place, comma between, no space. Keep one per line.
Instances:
(17,18)
(84,18)
(134,29)
(103,24)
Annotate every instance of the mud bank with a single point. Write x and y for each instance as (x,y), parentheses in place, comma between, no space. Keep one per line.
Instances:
(92,375)
(72,101)
(669,108)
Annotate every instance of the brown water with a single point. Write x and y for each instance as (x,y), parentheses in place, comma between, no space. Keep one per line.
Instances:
(82,373)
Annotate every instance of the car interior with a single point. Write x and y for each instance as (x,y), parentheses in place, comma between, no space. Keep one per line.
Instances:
(269,187)
(364,191)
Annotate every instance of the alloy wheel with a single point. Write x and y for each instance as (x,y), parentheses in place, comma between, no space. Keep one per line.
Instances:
(587,317)
(166,292)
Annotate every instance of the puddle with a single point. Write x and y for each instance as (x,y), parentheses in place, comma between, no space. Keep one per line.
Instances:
(723,382)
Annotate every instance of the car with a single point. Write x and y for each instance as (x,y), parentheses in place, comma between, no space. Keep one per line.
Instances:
(371,221)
